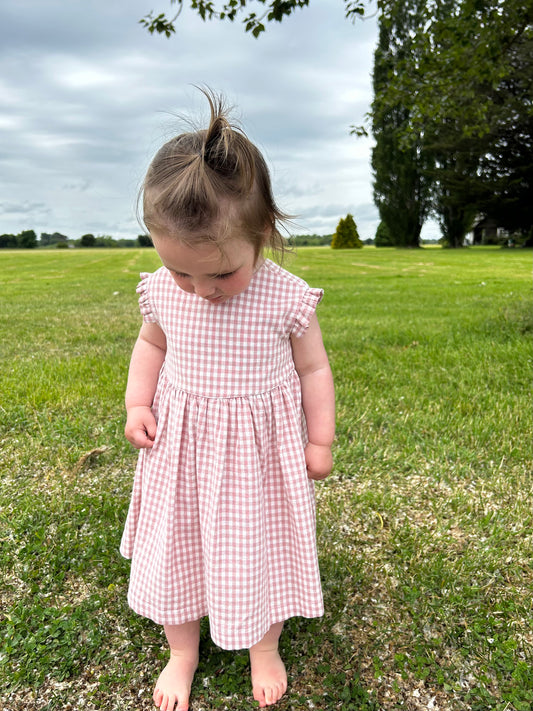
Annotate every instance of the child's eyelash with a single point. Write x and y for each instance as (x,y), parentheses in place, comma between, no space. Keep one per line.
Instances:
(226,275)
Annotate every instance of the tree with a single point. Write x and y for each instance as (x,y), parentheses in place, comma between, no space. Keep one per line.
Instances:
(8,241)
(55,238)
(402,189)
(466,82)
(27,239)
(105,241)
(506,168)
(88,240)
(270,11)
(486,48)
(144,241)
(384,237)
(460,53)
(346,235)
(441,116)
(455,176)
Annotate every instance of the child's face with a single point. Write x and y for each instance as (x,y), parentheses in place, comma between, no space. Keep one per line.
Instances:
(207,271)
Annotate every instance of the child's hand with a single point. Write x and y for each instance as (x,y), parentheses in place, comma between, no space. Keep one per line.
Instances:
(140,427)
(319,461)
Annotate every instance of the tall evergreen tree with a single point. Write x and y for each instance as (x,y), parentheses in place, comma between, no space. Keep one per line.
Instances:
(401,185)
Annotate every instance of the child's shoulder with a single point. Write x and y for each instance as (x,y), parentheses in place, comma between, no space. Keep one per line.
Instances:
(156,287)
(160,277)
(275,272)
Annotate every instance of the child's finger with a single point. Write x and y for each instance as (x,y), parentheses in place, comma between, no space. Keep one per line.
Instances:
(151,429)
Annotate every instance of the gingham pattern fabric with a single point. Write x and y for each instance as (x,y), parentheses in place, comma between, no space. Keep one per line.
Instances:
(222,516)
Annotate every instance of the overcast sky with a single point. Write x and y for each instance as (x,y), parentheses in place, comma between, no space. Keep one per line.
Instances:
(87,96)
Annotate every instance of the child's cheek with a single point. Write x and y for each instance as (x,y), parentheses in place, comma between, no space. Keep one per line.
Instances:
(236,284)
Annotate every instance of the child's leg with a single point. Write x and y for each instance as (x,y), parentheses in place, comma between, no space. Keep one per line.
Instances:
(173,687)
(269,678)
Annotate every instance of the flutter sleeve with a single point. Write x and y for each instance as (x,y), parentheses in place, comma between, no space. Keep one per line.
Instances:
(306,308)
(145,304)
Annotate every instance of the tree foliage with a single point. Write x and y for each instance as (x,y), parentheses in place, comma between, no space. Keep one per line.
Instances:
(309,240)
(56,238)
(506,166)
(346,235)
(452,114)
(253,13)
(462,74)
(27,239)
(88,240)
(401,184)
(144,241)
(384,237)
(460,54)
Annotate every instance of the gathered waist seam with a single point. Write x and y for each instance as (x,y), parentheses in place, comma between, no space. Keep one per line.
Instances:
(245,396)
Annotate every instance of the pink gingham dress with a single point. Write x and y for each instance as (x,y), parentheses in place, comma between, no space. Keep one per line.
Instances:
(222,515)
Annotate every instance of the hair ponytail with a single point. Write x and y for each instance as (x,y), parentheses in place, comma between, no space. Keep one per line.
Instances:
(203,180)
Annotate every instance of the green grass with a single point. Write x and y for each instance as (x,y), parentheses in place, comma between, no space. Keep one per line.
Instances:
(425,527)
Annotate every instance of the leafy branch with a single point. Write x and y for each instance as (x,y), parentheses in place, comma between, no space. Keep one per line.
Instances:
(273,11)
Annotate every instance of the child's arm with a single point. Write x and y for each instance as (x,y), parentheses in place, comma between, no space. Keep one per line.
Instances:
(146,361)
(318,399)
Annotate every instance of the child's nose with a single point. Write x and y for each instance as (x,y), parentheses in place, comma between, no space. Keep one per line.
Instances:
(204,288)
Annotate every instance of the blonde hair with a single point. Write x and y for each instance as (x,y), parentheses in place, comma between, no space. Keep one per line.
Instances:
(203,184)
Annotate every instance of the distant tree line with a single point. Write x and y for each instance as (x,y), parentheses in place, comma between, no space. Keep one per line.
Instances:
(24,240)
(27,239)
(309,240)
(89,240)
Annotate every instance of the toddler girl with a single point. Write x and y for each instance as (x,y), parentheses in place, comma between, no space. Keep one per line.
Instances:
(230,400)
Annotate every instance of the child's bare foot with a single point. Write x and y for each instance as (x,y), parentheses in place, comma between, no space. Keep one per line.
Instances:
(269,678)
(173,687)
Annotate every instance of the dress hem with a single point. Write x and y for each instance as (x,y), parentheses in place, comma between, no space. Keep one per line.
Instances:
(166,619)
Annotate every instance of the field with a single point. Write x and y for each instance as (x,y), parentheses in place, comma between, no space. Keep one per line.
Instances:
(425,527)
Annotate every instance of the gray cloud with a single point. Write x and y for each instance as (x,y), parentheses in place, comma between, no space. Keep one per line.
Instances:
(23,208)
(88,95)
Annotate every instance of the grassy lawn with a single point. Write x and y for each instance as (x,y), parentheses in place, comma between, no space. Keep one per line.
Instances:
(425,527)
